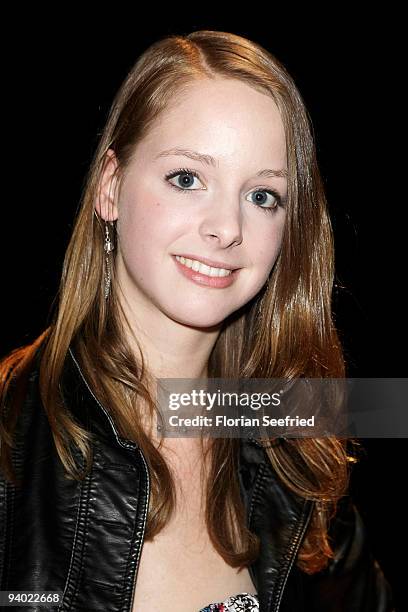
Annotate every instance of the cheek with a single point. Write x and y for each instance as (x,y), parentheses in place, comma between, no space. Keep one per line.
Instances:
(266,245)
(135,227)
(139,218)
(145,231)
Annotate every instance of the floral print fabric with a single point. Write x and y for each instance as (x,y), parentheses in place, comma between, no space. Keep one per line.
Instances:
(244,602)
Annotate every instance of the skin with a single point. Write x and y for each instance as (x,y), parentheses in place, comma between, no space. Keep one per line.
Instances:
(219,218)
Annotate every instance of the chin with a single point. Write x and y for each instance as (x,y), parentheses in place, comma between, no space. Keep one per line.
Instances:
(198,320)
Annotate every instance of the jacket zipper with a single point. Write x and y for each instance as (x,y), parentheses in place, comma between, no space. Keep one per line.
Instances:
(145,511)
(294,547)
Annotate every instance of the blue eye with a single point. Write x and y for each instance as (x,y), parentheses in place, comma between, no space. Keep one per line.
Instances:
(264,205)
(186,173)
(187,183)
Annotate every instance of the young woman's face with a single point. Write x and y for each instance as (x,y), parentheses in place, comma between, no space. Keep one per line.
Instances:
(221,212)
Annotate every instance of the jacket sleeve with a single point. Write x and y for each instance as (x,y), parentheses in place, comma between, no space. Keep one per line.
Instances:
(353,581)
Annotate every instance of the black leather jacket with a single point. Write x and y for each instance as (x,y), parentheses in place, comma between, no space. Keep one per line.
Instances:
(85,539)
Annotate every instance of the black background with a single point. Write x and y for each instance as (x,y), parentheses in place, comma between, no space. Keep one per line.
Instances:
(60,76)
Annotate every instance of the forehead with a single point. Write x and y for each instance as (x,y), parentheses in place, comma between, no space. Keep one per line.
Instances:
(224,118)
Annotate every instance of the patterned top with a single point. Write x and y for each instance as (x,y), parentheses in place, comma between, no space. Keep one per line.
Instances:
(244,602)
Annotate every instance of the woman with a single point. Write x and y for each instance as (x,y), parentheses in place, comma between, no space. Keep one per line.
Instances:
(206,162)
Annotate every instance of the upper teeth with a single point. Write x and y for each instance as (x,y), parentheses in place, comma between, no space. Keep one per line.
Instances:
(197,266)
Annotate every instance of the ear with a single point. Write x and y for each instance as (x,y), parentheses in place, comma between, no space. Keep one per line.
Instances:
(105,203)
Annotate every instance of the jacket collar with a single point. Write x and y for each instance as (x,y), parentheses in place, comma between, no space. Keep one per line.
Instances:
(81,401)
(85,406)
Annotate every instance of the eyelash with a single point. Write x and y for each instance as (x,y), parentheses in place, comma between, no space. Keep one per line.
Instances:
(279,200)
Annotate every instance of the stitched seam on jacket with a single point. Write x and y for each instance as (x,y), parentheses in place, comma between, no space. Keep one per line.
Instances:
(258,482)
(84,490)
(287,566)
(85,535)
(145,511)
(73,549)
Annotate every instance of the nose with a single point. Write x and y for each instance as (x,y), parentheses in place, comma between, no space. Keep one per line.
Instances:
(222,223)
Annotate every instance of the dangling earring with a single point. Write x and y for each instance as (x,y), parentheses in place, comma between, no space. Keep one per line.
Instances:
(108,248)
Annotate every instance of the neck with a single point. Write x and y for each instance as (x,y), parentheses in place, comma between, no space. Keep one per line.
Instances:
(170,349)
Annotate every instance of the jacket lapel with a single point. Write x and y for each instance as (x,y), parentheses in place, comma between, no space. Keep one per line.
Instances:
(277,516)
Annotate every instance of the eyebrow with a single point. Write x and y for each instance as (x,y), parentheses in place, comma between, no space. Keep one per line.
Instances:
(211,161)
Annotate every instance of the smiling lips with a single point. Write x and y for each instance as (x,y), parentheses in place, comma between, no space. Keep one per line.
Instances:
(204,274)
(198,266)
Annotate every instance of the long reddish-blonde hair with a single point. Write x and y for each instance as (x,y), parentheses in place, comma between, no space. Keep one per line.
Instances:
(292,335)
